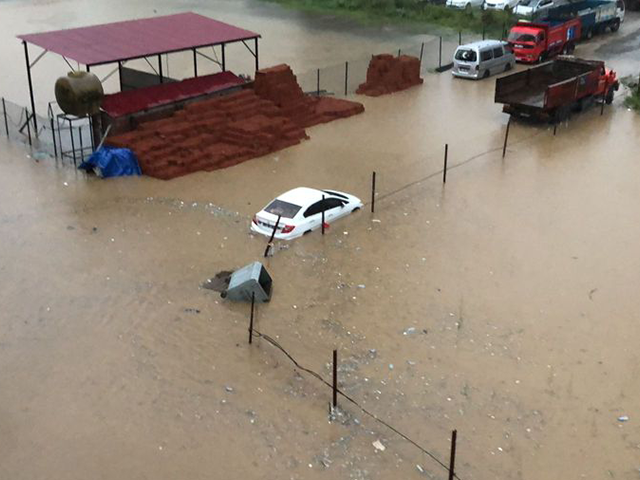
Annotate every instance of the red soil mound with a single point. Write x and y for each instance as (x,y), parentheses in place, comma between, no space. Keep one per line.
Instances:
(388,74)
(224,131)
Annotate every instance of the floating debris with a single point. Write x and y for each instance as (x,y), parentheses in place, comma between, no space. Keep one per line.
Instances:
(379,446)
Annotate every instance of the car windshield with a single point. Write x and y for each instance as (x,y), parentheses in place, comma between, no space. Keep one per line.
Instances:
(466,55)
(526,3)
(516,37)
(283,209)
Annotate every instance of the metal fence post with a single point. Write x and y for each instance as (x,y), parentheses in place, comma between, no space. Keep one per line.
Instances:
(346,77)
(318,83)
(452,458)
(459,37)
(73,144)
(322,219)
(446,158)
(4,112)
(28,125)
(335,378)
(421,52)
(53,136)
(373,192)
(253,301)
(81,144)
(440,54)
(506,138)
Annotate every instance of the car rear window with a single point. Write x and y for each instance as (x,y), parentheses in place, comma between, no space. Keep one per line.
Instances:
(336,194)
(466,55)
(284,209)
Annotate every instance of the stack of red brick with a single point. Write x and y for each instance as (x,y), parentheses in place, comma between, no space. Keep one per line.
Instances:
(280,85)
(388,74)
(223,131)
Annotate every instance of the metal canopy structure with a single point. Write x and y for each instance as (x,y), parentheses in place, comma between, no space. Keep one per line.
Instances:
(134,39)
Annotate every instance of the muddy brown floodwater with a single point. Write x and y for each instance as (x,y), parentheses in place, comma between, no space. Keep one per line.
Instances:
(504,305)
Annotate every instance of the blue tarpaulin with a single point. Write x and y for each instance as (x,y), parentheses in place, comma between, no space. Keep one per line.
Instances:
(112,162)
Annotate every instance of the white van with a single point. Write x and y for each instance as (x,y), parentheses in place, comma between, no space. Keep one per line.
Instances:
(483,58)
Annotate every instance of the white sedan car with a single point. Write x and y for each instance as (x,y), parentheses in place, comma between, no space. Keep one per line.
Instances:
(500,4)
(300,212)
(464,3)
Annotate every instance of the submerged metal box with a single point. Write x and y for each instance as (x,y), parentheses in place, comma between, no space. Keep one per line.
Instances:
(252,279)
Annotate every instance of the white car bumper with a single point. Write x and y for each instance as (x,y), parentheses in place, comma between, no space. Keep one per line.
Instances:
(268,231)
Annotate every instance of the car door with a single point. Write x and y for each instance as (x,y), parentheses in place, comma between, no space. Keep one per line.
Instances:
(312,215)
(498,59)
(334,209)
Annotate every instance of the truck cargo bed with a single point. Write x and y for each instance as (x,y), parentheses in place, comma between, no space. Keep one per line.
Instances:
(528,88)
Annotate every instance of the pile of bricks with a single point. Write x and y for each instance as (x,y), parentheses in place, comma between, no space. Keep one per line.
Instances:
(388,74)
(223,131)
(279,85)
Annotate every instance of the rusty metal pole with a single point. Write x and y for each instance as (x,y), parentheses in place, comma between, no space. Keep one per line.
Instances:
(253,301)
(335,378)
(452,459)
(506,138)
(346,77)
(322,218)
(373,192)
(446,157)
(273,234)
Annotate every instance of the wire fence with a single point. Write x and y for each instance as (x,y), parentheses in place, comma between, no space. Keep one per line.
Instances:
(63,137)
(343,79)
(71,139)
(337,391)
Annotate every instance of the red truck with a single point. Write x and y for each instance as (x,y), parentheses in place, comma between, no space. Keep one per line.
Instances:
(551,91)
(537,42)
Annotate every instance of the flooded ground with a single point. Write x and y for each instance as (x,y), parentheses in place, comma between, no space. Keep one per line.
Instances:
(503,305)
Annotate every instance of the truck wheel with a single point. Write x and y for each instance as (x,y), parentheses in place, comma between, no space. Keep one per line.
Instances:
(588,34)
(507,67)
(609,98)
(615,26)
(486,74)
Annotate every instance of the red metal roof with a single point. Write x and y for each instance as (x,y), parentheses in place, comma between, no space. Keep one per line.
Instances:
(141,99)
(113,42)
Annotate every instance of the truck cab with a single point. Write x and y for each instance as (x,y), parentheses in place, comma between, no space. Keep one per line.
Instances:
(537,42)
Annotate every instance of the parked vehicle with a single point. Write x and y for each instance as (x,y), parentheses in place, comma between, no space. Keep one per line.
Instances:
(300,212)
(464,3)
(483,58)
(596,16)
(536,42)
(533,8)
(500,4)
(551,91)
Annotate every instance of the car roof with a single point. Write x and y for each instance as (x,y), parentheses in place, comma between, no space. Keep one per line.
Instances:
(482,44)
(302,196)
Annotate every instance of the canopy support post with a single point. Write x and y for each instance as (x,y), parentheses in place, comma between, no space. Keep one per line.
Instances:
(224,63)
(195,63)
(33,102)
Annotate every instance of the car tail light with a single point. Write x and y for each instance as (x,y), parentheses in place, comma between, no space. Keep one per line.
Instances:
(255,219)
(287,229)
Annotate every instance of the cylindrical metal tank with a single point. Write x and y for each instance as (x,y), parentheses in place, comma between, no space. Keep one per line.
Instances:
(79,93)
